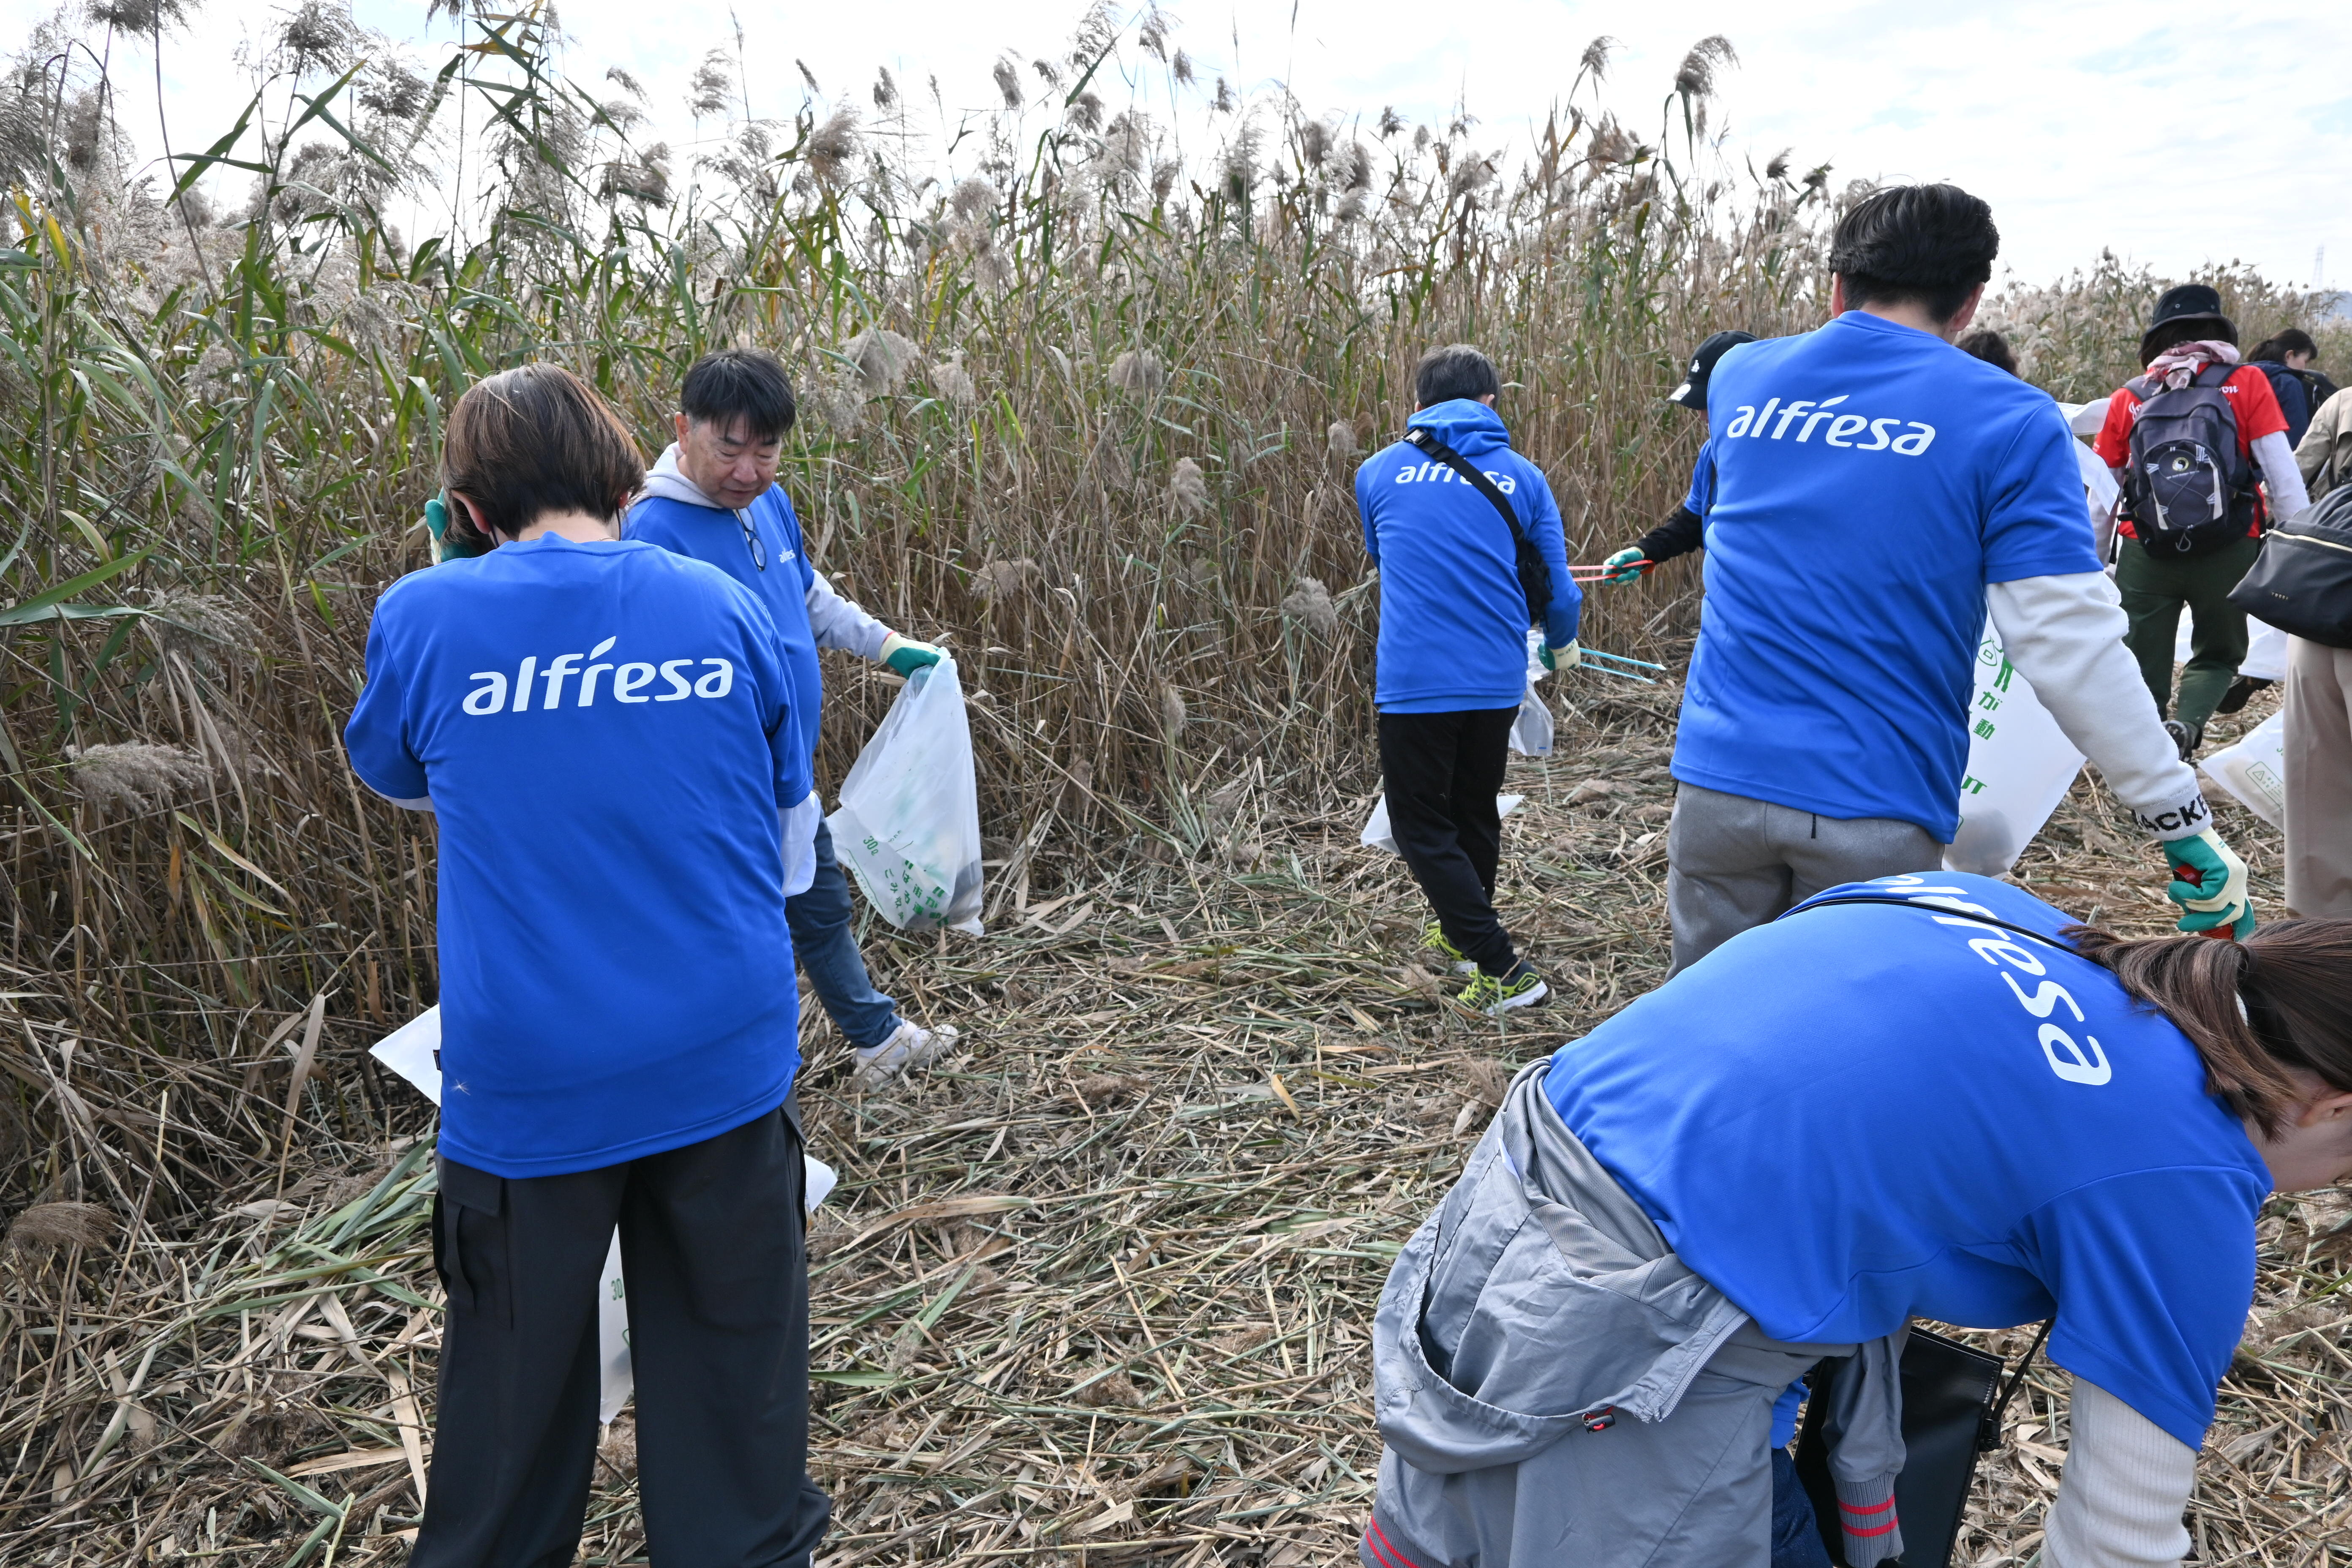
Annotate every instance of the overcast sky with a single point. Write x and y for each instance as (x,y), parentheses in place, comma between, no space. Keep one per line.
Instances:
(2167,130)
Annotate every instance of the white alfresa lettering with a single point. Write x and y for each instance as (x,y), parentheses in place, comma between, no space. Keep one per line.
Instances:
(717,679)
(2084,1063)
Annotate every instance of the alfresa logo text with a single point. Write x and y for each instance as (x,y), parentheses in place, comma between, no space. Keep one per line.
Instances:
(629,682)
(1806,416)
(1438,473)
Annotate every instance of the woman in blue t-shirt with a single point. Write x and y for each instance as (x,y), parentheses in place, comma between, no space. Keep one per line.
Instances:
(605,732)
(1923,1097)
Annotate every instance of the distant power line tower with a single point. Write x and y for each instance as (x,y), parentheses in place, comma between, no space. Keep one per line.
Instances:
(2319,267)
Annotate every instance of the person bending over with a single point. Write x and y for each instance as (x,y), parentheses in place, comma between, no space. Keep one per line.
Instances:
(1920,1097)
(2185,542)
(1686,530)
(1453,652)
(611,743)
(713,495)
(1876,490)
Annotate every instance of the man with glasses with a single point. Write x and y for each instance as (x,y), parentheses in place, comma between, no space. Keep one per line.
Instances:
(713,495)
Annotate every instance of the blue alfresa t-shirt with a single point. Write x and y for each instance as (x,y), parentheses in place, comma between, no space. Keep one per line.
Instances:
(1700,497)
(606,735)
(1859,1114)
(1454,617)
(714,534)
(1870,481)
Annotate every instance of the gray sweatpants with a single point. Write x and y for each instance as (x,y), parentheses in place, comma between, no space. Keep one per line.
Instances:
(1733,863)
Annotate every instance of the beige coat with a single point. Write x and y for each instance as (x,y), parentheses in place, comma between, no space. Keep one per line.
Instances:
(2324,453)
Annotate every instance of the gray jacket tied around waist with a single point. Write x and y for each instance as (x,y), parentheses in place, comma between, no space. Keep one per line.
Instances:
(1550,1378)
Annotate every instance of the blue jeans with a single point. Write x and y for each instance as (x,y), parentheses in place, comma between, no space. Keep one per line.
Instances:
(1796,1542)
(826,949)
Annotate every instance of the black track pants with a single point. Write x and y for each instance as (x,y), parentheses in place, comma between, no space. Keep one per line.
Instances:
(1440,772)
(712,1244)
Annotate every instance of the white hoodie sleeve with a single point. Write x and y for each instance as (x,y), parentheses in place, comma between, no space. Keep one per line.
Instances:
(2127,1482)
(2282,476)
(841,623)
(2065,633)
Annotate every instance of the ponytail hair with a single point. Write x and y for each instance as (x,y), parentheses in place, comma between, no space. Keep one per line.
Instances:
(2255,1010)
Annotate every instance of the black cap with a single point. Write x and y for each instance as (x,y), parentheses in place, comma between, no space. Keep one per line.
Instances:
(1692,393)
(2187,302)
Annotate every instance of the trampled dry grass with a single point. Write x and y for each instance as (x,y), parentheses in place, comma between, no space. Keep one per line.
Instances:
(1099,1291)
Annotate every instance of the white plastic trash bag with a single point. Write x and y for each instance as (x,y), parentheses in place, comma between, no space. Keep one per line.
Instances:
(2020,765)
(909,824)
(1531,730)
(2255,770)
(413,1051)
(1376,833)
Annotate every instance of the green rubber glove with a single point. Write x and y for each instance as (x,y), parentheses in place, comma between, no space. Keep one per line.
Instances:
(1627,565)
(436,522)
(904,656)
(1567,657)
(2209,882)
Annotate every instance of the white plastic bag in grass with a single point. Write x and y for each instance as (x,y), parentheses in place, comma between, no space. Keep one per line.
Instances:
(2020,765)
(414,1051)
(2255,770)
(1377,834)
(909,824)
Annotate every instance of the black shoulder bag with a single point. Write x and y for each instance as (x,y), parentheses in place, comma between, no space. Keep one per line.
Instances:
(1954,1397)
(2302,582)
(1535,572)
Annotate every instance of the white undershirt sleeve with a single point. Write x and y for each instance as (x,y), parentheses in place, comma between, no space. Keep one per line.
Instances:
(843,622)
(2281,476)
(800,824)
(422,803)
(2127,1482)
(2065,633)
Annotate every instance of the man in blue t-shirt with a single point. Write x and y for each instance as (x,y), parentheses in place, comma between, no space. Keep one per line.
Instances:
(1453,653)
(1876,491)
(610,741)
(714,496)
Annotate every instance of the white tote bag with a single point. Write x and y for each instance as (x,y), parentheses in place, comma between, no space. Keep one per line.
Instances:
(2255,770)
(2020,765)
(908,825)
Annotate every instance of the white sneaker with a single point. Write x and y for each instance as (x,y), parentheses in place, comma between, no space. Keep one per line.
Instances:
(909,1047)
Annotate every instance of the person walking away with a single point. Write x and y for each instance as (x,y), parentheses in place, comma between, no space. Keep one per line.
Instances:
(1453,652)
(1876,492)
(2186,441)
(613,1048)
(1685,530)
(713,495)
(2030,1119)
(2285,361)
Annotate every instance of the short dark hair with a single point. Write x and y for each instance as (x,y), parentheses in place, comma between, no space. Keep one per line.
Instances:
(2186,330)
(1929,244)
(2278,346)
(1456,369)
(749,385)
(531,441)
(1989,347)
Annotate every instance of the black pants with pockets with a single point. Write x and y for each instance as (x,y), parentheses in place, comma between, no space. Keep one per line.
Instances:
(1441,771)
(713,1249)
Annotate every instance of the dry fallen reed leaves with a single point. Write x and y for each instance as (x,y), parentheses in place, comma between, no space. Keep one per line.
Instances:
(1098,1289)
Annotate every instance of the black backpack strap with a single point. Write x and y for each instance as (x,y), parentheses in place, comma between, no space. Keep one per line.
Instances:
(1438,451)
(2042,937)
